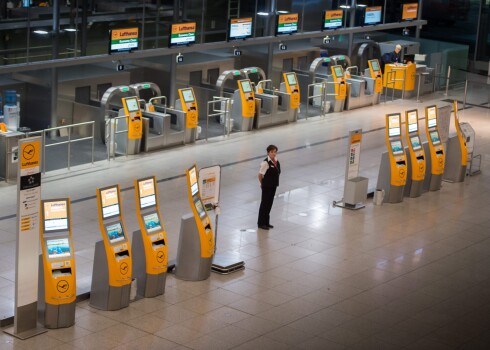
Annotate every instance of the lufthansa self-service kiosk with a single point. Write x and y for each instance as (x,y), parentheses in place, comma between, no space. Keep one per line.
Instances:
(243,109)
(457,153)
(336,89)
(149,246)
(112,270)
(135,123)
(291,86)
(187,105)
(196,241)
(57,290)
(434,148)
(374,71)
(415,156)
(393,168)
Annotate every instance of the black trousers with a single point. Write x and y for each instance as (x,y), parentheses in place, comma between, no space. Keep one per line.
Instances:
(268,194)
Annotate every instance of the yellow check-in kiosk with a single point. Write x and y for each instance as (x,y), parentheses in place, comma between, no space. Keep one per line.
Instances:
(456,153)
(400,77)
(134,121)
(112,270)
(415,155)
(374,71)
(184,116)
(393,168)
(336,89)
(196,241)
(435,150)
(57,291)
(292,87)
(243,107)
(149,245)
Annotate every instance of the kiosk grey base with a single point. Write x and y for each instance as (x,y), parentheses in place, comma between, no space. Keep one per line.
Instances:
(54,316)
(225,264)
(393,194)
(190,266)
(240,122)
(453,170)
(413,189)
(102,295)
(148,285)
(355,193)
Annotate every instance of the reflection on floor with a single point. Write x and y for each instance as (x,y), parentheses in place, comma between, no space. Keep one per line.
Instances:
(413,275)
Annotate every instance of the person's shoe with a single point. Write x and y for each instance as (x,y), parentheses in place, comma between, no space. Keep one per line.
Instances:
(264,227)
(270,226)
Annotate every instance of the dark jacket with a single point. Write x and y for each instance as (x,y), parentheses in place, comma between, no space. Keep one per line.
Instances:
(271,177)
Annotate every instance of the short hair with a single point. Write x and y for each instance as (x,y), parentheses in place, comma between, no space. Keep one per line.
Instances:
(398,46)
(271,148)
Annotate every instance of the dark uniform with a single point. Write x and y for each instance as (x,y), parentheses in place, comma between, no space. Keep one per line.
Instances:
(270,181)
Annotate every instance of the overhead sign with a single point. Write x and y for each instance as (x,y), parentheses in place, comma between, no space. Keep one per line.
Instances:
(123,40)
(332,19)
(183,34)
(287,23)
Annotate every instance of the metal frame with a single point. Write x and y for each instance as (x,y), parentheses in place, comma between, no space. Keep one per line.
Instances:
(69,141)
(111,142)
(218,112)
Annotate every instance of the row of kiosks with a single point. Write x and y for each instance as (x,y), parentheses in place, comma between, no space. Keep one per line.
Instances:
(57,278)
(149,245)
(196,242)
(112,270)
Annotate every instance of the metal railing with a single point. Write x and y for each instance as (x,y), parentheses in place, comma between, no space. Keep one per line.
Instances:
(323,96)
(111,136)
(212,111)
(68,142)
(159,98)
(438,76)
(391,81)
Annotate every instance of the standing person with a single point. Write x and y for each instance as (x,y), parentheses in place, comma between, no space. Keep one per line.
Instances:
(269,172)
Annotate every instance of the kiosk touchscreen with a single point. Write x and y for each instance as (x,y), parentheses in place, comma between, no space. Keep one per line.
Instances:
(247,97)
(340,85)
(457,153)
(292,88)
(57,290)
(393,169)
(112,270)
(415,155)
(375,71)
(196,241)
(149,246)
(189,106)
(135,119)
(436,161)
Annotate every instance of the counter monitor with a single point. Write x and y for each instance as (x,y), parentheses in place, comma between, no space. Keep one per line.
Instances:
(123,40)
(55,215)
(110,202)
(240,28)
(115,232)
(188,95)
(291,79)
(339,73)
(182,34)
(410,11)
(147,192)
(394,125)
(415,143)
(372,15)
(431,116)
(287,23)
(434,136)
(58,248)
(332,19)
(412,121)
(246,87)
(152,222)
(396,147)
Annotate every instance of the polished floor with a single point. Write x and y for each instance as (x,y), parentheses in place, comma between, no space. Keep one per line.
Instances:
(413,275)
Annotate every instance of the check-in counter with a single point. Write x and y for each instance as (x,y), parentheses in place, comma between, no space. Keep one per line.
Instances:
(162,130)
(274,108)
(360,95)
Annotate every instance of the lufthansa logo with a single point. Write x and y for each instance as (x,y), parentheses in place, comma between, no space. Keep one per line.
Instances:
(160,256)
(62,286)
(123,268)
(28,152)
(402,173)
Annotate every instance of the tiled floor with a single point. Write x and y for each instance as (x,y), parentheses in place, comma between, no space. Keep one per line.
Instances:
(413,275)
